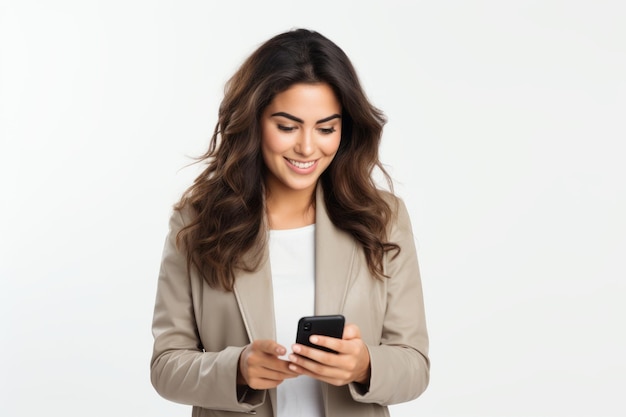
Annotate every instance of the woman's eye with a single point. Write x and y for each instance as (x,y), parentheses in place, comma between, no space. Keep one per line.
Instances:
(327,130)
(286,128)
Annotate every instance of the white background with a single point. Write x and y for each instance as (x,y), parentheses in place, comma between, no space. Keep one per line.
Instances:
(506,138)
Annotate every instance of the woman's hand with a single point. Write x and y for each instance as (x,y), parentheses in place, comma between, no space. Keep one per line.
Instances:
(350,364)
(259,365)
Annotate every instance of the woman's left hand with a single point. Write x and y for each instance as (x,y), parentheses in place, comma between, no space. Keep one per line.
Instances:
(351,363)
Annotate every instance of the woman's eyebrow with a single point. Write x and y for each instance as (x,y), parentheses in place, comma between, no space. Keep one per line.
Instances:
(298,120)
(288,116)
(329,118)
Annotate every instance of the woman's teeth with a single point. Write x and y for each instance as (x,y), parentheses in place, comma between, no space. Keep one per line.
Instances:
(301,165)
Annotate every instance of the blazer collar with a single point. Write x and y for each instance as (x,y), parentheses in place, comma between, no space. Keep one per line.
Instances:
(335,252)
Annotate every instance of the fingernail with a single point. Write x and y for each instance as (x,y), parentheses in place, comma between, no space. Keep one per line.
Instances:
(313,339)
(296,348)
(293,367)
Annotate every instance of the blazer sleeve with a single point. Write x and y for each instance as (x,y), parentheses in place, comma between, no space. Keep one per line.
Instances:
(400,368)
(180,370)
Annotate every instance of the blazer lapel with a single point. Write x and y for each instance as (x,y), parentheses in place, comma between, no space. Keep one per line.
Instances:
(255,297)
(335,252)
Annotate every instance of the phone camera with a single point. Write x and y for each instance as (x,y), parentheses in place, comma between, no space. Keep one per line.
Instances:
(307,326)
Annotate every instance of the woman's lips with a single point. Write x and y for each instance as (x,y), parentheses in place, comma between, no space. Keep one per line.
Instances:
(302,167)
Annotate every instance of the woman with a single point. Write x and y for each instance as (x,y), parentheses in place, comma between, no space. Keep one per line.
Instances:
(285,222)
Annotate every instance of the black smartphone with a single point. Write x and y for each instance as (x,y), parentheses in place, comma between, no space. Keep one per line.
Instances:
(331,325)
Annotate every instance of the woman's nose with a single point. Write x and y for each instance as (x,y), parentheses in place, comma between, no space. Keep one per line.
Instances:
(304,145)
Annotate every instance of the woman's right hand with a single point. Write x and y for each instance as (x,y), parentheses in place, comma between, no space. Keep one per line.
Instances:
(260,367)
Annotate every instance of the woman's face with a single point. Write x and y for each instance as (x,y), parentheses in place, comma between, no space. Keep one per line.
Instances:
(301,130)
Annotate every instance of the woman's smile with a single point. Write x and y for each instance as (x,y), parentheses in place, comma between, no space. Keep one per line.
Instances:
(301,166)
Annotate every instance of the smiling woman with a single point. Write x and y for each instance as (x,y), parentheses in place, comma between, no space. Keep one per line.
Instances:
(285,222)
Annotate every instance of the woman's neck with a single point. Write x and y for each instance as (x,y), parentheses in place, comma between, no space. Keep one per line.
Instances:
(290,209)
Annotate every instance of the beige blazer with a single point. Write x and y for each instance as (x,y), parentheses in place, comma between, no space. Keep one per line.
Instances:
(199,332)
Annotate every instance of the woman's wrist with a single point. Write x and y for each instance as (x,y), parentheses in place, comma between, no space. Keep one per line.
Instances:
(364,378)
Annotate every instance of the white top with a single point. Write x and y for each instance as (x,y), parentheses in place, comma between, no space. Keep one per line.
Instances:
(292,261)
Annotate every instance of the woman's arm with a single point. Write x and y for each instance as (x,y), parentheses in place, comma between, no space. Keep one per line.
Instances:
(180,370)
(399,365)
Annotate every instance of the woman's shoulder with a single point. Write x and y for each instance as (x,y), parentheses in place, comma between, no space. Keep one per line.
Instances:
(182,215)
(398,209)
(393,201)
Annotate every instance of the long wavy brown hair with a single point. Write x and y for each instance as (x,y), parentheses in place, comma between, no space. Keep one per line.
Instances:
(227,199)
